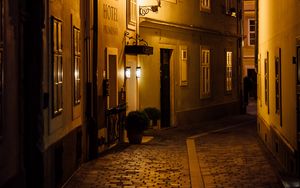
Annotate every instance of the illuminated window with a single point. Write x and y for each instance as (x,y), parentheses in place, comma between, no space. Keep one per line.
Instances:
(205,73)
(267,81)
(278,82)
(183,66)
(228,71)
(251,32)
(131,14)
(76,59)
(57,66)
(205,5)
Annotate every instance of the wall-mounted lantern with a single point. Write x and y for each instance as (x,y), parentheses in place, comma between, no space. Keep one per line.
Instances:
(143,10)
(127,72)
(138,72)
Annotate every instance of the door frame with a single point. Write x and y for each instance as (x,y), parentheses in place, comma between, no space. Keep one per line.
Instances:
(112,51)
(173,81)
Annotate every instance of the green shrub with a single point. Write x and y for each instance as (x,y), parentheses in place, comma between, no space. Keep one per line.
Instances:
(153,113)
(136,121)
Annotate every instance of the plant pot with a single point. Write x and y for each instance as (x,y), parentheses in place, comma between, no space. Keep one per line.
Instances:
(134,137)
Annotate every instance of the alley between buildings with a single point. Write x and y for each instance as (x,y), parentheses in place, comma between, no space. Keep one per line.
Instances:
(229,153)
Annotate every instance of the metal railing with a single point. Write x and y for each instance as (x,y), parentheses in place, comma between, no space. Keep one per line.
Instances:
(115,123)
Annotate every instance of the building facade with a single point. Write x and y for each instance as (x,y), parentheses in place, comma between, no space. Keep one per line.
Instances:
(278,80)
(62,86)
(195,70)
(249,69)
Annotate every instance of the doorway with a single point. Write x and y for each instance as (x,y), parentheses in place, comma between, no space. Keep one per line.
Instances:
(112,80)
(165,99)
(253,85)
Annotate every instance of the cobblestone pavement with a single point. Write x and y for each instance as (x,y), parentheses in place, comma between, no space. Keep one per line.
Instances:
(234,158)
(231,158)
(152,164)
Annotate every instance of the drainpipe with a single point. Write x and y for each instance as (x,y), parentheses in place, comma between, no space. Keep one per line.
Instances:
(240,52)
(92,116)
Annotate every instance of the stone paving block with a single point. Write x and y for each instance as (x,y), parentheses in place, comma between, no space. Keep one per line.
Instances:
(237,162)
(230,158)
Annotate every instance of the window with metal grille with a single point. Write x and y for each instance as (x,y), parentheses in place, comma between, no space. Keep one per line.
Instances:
(228,71)
(57,66)
(77,64)
(205,73)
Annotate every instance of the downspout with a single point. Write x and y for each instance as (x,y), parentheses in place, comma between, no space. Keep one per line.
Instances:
(240,52)
(92,119)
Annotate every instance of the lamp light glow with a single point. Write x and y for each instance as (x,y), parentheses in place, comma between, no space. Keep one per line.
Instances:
(138,72)
(127,72)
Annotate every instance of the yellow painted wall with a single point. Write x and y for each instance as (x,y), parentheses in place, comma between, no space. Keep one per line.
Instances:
(71,117)
(279,25)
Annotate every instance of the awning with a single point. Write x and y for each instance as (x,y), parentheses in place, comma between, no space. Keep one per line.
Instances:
(138,50)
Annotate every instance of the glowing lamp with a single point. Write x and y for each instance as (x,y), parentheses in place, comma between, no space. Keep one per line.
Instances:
(138,72)
(127,72)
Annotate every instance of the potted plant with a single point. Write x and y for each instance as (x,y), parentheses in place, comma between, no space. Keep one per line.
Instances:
(153,114)
(135,124)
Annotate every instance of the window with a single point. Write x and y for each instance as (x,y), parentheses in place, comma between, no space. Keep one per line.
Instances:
(278,82)
(183,66)
(251,32)
(57,66)
(76,59)
(228,71)
(259,85)
(205,73)
(131,14)
(205,5)
(267,81)
(229,7)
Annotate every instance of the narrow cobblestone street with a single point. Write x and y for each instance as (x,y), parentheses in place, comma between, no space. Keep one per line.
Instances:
(230,157)
(234,158)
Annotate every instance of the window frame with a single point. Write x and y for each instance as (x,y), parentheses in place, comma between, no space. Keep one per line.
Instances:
(132,14)
(278,83)
(183,59)
(267,100)
(229,72)
(205,6)
(251,32)
(205,73)
(57,65)
(76,66)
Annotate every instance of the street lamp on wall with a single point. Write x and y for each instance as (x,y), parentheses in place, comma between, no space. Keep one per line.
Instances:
(143,10)
(138,72)
(127,72)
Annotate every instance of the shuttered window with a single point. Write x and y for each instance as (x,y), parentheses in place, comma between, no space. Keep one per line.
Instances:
(205,73)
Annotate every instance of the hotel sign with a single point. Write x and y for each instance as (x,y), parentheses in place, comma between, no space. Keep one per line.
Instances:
(110,15)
